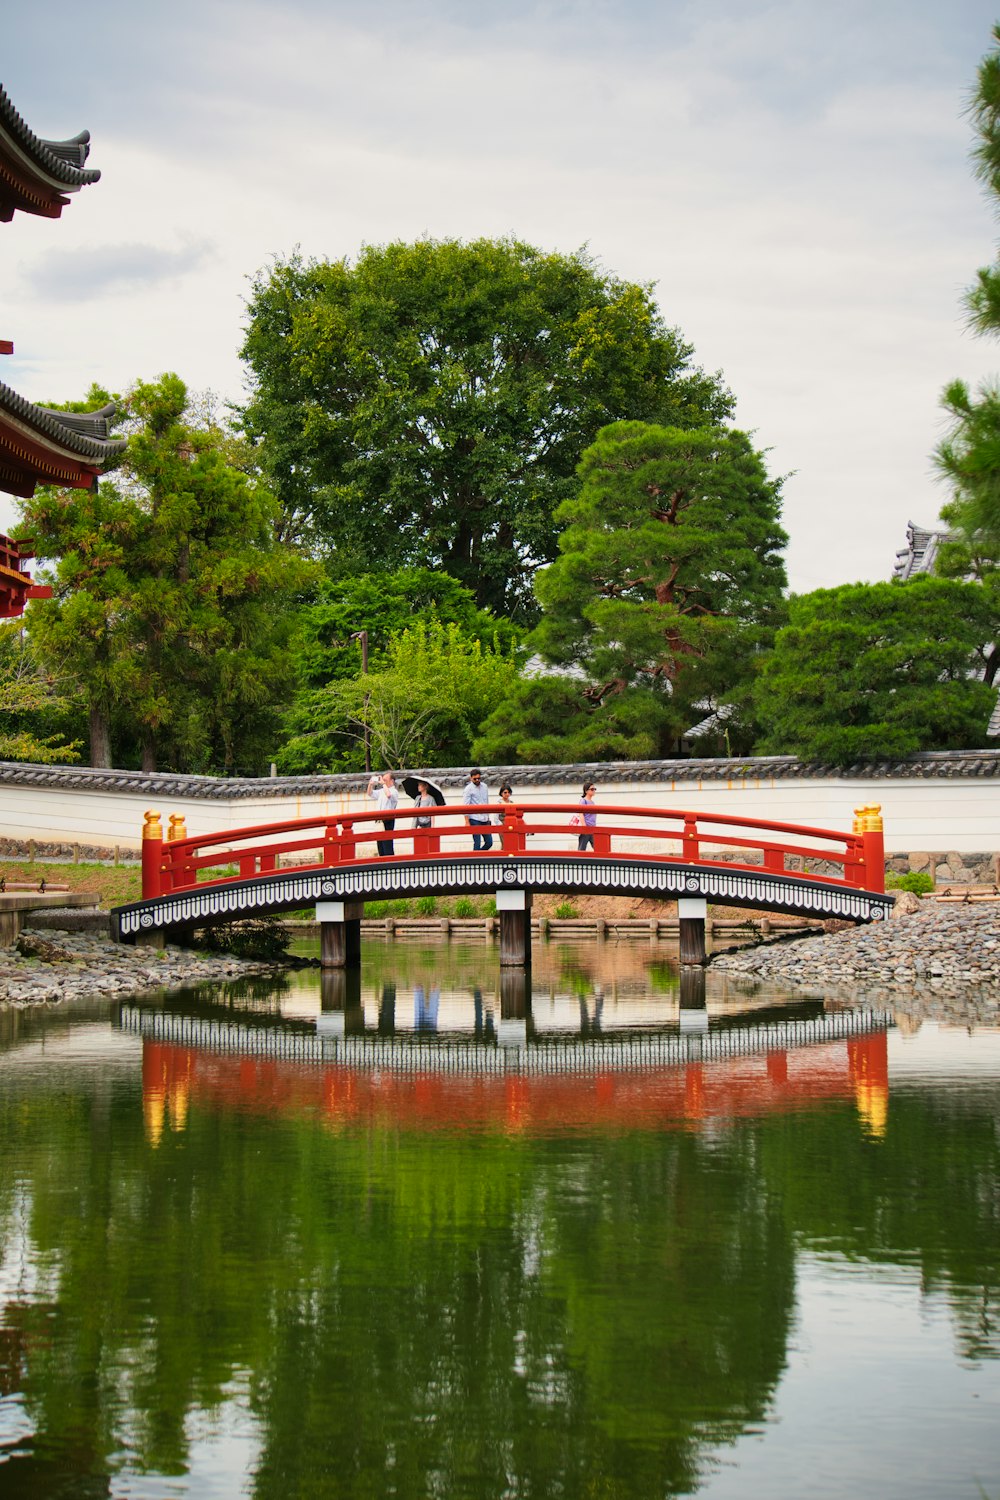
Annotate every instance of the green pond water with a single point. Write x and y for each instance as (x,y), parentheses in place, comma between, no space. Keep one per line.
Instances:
(426,1234)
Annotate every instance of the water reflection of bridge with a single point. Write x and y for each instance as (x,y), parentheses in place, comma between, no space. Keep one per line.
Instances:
(509,1052)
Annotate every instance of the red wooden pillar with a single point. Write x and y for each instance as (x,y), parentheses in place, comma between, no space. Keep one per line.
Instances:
(868,823)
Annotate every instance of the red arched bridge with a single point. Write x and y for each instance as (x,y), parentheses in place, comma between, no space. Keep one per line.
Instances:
(665,853)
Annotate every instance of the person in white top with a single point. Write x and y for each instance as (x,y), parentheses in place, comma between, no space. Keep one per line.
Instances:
(383,789)
(477,794)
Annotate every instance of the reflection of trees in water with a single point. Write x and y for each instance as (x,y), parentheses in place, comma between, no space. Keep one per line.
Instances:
(515,1314)
(927,1193)
(615,1310)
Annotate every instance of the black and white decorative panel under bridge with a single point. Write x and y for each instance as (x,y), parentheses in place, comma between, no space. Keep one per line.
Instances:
(286,890)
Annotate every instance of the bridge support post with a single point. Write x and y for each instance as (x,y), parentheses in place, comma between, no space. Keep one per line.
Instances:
(514,912)
(339,933)
(691,914)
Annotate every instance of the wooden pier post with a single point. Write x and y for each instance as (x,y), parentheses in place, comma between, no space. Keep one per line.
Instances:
(691,914)
(514,911)
(339,933)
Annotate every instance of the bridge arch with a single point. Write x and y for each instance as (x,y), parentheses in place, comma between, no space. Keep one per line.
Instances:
(665,854)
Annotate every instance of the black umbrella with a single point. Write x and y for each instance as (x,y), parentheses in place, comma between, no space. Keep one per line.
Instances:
(410,787)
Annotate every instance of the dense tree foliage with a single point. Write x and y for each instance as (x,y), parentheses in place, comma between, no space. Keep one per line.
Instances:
(422,704)
(969,456)
(428,403)
(34,708)
(668,583)
(383,605)
(867,671)
(171,597)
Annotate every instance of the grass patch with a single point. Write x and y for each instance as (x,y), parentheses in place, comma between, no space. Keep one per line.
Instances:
(114,885)
(565,911)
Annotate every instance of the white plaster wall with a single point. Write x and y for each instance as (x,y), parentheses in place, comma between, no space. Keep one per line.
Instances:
(925,814)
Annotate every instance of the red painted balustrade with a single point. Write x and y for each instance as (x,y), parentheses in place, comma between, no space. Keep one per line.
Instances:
(530,830)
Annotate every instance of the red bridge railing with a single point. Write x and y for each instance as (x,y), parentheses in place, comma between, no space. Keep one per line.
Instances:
(537,829)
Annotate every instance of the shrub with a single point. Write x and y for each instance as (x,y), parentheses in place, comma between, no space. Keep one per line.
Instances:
(262,938)
(465,907)
(565,911)
(917,881)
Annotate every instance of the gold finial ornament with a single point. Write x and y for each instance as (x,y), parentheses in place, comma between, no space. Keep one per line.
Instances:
(868,819)
(152,828)
(178,828)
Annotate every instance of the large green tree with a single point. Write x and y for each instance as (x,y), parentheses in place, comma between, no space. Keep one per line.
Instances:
(868,671)
(968,458)
(171,596)
(669,583)
(428,403)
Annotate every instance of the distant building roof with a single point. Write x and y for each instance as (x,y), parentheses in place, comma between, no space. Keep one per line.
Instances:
(36,175)
(919,553)
(918,556)
(41,446)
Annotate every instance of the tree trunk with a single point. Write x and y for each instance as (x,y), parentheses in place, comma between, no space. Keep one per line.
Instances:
(100,739)
(148,753)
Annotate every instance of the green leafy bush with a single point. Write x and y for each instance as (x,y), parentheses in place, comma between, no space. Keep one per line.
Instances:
(917,881)
(261,938)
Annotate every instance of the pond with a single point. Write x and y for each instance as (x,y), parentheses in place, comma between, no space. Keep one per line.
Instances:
(420,1233)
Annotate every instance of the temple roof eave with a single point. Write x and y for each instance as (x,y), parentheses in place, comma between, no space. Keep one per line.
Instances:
(59,163)
(74,435)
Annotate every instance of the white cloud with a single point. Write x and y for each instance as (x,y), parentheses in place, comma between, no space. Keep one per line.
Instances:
(85,275)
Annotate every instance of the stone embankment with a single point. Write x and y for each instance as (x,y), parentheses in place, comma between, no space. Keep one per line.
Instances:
(53,966)
(944,950)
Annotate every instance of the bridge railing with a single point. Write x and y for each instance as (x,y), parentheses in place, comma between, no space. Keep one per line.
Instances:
(538,829)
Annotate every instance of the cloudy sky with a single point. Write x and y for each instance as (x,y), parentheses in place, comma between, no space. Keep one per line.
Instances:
(793,177)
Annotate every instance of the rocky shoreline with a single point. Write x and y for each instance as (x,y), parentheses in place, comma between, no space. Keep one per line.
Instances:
(944,958)
(46,968)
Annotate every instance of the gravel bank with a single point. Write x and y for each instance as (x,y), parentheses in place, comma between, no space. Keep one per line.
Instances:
(49,967)
(950,952)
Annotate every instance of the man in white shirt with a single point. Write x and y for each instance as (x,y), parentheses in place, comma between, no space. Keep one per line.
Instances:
(383,789)
(477,794)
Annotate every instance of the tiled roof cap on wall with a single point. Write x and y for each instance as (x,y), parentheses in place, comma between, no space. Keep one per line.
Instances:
(944,764)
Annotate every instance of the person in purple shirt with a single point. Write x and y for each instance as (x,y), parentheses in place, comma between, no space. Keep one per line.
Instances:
(586,840)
